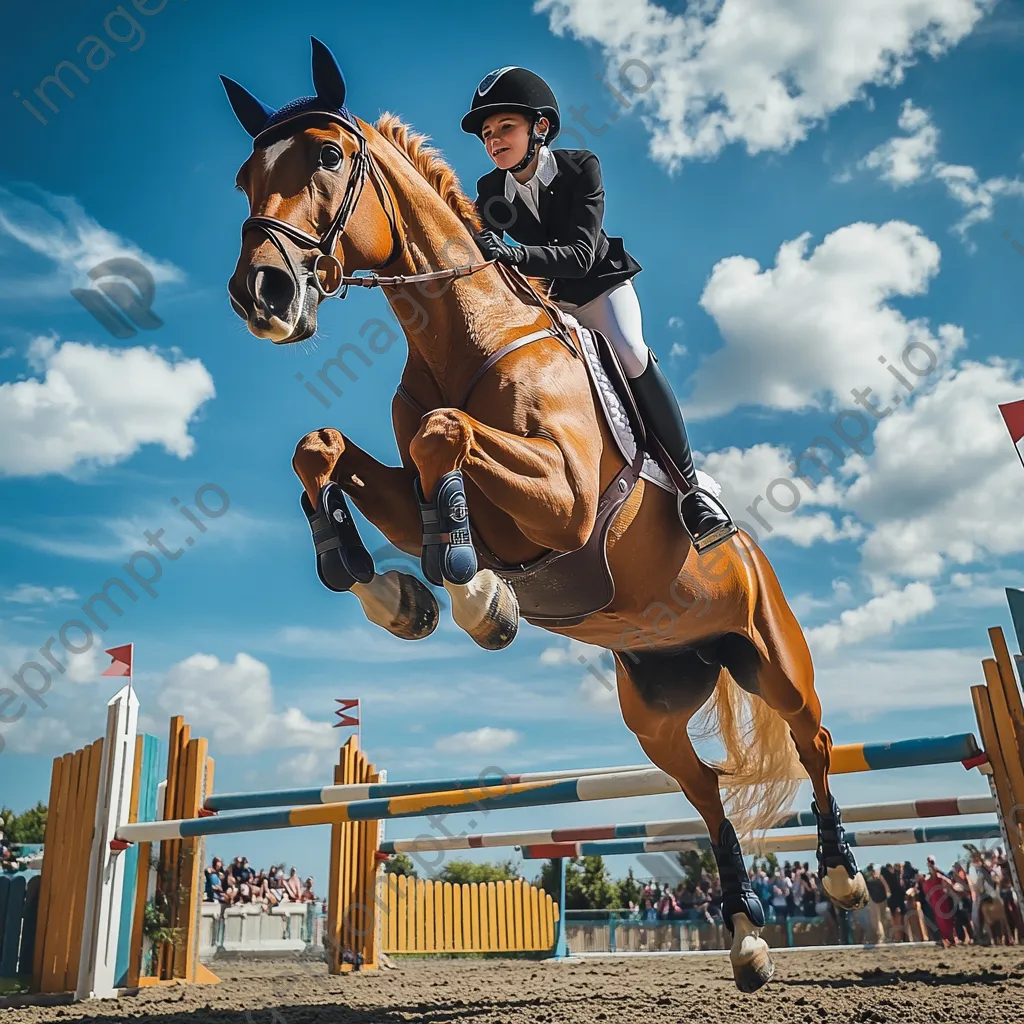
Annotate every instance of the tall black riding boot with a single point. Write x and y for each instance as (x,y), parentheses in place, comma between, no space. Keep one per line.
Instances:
(705,518)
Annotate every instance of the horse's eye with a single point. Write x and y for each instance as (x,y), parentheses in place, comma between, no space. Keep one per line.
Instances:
(330,158)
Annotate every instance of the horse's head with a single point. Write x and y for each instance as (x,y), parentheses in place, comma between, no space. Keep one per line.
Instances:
(309,213)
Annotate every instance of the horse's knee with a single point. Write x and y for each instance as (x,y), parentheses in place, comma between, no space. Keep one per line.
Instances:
(315,457)
(440,445)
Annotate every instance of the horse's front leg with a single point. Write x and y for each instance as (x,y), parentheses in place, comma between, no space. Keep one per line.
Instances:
(395,600)
(485,607)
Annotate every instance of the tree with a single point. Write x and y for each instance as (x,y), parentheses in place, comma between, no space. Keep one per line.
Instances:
(587,885)
(462,872)
(27,827)
(694,861)
(769,862)
(400,864)
(628,890)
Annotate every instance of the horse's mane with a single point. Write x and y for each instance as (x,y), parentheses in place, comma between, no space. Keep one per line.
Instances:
(445,182)
(431,165)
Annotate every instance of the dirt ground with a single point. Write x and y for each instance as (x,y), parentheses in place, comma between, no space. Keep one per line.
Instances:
(909,985)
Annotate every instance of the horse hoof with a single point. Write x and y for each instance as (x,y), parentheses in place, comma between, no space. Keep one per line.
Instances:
(401,603)
(845,892)
(487,609)
(756,968)
(418,612)
(499,626)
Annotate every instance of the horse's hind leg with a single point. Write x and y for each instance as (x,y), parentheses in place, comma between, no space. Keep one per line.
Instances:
(658,695)
(786,684)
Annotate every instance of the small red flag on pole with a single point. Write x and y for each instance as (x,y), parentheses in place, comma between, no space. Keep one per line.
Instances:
(122,663)
(347,703)
(1013,417)
(122,666)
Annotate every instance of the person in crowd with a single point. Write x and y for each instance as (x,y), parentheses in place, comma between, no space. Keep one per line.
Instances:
(781,887)
(961,892)
(307,892)
(937,890)
(214,890)
(293,885)
(878,898)
(892,875)
(989,910)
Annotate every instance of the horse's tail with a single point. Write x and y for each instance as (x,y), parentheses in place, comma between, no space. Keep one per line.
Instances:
(760,770)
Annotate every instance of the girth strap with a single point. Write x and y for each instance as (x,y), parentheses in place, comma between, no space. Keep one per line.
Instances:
(495,357)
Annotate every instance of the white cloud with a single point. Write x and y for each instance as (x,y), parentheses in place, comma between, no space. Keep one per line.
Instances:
(878,617)
(878,683)
(912,158)
(944,479)
(29,593)
(753,477)
(97,406)
(761,73)
(57,228)
(597,693)
(251,723)
(487,740)
(901,161)
(822,322)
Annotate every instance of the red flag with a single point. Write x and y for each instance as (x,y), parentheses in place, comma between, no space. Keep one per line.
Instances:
(346,703)
(122,663)
(1013,417)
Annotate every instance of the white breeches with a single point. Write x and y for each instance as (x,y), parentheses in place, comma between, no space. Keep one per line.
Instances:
(616,314)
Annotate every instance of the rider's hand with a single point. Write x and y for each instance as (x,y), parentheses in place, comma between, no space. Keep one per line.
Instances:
(494,247)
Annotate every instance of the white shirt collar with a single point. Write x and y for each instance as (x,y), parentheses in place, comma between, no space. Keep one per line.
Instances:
(547,168)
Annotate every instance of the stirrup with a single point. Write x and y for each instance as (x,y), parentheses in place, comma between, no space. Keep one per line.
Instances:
(714,537)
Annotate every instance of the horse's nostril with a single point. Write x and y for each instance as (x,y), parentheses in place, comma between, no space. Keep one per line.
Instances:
(272,289)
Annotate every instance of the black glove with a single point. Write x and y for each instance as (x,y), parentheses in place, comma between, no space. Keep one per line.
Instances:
(494,247)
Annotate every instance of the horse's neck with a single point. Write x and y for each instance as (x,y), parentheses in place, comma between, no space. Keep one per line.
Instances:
(453,326)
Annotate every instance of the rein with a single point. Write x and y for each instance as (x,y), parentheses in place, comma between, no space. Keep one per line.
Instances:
(274,228)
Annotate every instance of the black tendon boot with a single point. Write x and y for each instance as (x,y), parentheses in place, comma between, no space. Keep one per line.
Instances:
(751,964)
(834,852)
(705,518)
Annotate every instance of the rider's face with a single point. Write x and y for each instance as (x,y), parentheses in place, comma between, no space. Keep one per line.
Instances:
(507,137)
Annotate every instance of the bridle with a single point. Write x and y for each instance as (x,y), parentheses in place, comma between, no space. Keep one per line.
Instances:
(363,165)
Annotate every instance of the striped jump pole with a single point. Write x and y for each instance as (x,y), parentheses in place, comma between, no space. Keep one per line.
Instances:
(650,782)
(853,757)
(373,791)
(767,844)
(938,808)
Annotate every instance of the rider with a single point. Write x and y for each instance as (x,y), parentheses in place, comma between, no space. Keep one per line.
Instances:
(552,203)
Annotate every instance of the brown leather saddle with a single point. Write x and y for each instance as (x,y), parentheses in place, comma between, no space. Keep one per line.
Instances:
(561,588)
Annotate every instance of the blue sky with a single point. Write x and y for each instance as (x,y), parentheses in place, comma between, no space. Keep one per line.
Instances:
(802,202)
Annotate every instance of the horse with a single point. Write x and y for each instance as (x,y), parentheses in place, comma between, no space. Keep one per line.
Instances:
(497,409)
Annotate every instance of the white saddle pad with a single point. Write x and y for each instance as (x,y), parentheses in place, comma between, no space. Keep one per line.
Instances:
(618,421)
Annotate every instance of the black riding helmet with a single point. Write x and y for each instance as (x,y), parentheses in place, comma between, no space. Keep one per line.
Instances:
(513,88)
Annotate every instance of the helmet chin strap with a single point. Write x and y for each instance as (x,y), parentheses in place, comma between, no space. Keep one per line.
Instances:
(536,139)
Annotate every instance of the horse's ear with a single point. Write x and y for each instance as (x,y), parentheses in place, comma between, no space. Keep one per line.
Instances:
(252,113)
(328,81)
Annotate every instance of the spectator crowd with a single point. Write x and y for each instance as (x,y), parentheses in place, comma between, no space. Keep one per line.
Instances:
(238,884)
(973,903)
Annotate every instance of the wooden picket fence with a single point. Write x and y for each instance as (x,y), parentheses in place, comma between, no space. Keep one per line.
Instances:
(422,916)
(74,785)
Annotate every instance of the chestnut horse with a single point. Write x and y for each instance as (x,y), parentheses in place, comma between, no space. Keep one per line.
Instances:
(330,194)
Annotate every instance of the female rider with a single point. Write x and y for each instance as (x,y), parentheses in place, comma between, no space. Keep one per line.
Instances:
(552,203)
